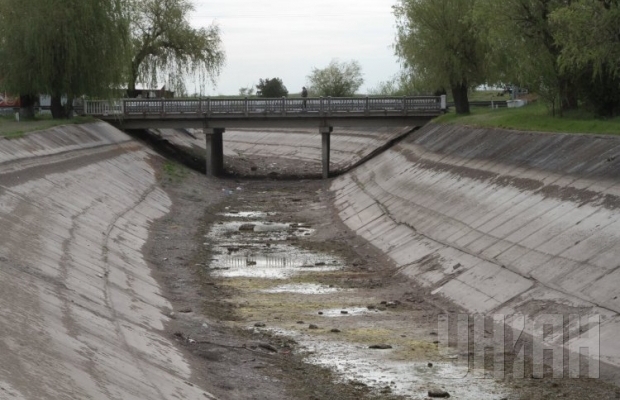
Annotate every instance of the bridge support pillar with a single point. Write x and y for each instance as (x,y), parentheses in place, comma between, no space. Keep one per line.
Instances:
(215,151)
(325,141)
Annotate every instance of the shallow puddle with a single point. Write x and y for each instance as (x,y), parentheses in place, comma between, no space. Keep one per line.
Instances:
(245,214)
(379,369)
(253,249)
(251,230)
(347,312)
(303,288)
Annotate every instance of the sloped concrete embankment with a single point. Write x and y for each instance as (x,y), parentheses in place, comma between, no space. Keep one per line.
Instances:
(80,315)
(500,222)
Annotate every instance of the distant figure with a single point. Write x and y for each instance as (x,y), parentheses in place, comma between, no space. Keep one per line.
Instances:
(304,94)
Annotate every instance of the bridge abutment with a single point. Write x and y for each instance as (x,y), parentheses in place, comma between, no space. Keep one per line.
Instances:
(215,151)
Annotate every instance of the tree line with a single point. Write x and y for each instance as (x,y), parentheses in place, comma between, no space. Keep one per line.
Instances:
(97,47)
(337,79)
(567,51)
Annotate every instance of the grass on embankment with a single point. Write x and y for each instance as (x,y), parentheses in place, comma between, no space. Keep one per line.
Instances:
(533,117)
(11,129)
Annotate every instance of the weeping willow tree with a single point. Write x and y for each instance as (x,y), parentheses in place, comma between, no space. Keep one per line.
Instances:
(63,48)
(166,48)
(439,45)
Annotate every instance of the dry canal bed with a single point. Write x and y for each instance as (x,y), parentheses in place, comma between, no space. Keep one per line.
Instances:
(282,296)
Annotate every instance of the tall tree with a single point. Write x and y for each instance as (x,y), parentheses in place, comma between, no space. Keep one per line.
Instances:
(63,48)
(338,79)
(167,48)
(525,49)
(591,50)
(271,88)
(593,37)
(439,45)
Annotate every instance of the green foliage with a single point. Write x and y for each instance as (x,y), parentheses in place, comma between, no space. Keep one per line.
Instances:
(524,50)
(174,172)
(593,38)
(438,43)
(271,88)
(165,47)
(63,47)
(338,79)
(534,117)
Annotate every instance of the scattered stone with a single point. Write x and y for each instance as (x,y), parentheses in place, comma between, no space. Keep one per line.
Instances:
(438,393)
(319,264)
(380,346)
(300,322)
(191,341)
(268,347)
(3,259)
(320,312)
(433,333)
(250,263)
(260,325)
(247,228)
(312,326)
(344,312)
(384,302)
(430,365)
(335,330)
(371,307)
(457,266)
(185,310)
(253,168)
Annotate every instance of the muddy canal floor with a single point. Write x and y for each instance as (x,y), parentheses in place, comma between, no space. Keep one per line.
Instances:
(275,299)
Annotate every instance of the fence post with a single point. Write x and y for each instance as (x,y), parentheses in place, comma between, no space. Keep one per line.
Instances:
(404,105)
(329,104)
(123,106)
(283,105)
(246,105)
(444,104)
(208,106)
(321,105)
(367,106)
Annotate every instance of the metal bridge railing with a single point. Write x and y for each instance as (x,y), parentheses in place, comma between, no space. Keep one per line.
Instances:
(283,106)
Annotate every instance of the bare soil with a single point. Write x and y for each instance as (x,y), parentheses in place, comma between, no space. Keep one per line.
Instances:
(245,342)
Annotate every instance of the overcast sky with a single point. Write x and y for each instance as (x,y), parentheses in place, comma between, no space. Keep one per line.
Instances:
(288,38)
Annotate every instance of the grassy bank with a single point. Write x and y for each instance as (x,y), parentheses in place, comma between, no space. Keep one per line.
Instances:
(10,128)
(533,117)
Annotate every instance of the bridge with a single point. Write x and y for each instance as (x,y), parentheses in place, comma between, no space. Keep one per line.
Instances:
(215,115)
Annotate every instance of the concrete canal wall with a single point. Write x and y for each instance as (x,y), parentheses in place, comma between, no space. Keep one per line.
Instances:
(500,222)
(80,315)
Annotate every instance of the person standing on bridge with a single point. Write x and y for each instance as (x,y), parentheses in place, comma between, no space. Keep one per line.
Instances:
(304,95)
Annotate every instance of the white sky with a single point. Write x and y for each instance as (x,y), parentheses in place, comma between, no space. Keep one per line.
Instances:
(288,38)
